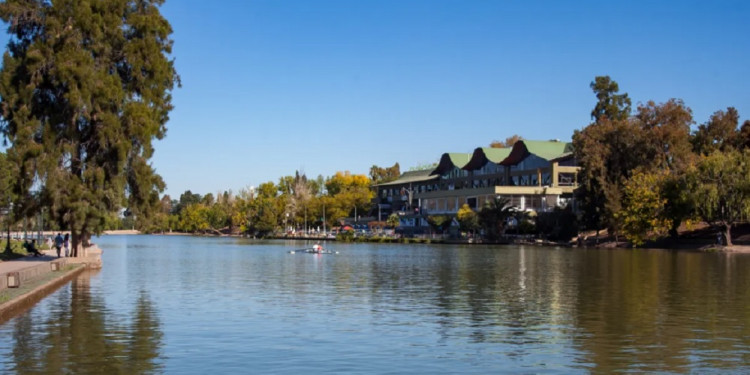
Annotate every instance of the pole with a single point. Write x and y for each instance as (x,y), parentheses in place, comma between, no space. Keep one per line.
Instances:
(7,245)
(324,218)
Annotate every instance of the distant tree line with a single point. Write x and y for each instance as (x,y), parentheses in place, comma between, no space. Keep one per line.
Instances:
(272,208)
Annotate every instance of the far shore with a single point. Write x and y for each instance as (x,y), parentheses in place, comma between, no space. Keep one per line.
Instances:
(604,244)
(122,231)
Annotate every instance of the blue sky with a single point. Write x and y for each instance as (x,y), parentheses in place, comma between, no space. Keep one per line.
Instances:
(270,87)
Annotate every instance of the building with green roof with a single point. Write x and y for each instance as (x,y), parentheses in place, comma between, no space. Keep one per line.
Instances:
(533,175)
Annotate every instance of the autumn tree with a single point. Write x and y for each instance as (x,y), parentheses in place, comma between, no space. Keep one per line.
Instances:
(85,87)
(348,191)
(666,129)
(509,142)
(656,139)
(380,175)
(600,149)
(720,133)
(644,214)
(468,220)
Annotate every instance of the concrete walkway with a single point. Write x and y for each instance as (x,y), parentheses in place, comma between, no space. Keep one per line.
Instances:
(29,268)
(27,261)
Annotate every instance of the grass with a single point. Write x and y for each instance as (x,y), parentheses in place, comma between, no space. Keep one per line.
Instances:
(17,250)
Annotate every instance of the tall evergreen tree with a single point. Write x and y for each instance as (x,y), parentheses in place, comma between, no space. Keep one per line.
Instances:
(84,89)
(604,150)
(609,104)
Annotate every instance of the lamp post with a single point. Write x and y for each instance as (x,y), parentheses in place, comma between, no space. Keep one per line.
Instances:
(10,210)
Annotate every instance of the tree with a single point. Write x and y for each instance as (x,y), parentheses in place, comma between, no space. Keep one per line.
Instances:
(644,213)
(264,217)
(468,220)
(439,222)
(744,141)
(666,129)
(84,89)
(607,152)
(609,104)
(720,133)
(393,220)
(380,175)
(722,194)
(187,198)
(509,142)
(194,218)
(604,150)
(493,216)
(343,181)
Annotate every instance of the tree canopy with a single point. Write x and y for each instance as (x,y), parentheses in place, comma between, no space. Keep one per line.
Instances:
(84,89)
(379,175)
(509,141)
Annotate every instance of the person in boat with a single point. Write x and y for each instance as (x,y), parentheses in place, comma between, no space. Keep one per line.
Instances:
(317,248)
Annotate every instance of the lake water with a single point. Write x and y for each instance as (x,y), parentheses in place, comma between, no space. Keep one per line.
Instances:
(188,305)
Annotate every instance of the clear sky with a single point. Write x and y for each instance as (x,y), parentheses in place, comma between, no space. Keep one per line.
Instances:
(270,87)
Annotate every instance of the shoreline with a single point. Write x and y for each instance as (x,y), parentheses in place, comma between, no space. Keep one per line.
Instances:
(604,243)
(31,293)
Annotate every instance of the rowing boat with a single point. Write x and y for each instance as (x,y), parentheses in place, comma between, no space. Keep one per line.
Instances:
(313,251)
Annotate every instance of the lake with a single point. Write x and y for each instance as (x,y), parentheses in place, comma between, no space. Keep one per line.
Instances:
(192,305)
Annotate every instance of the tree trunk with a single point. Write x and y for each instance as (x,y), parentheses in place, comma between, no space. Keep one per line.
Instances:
(728,234)
(673,233)
(75,241)
(78,241)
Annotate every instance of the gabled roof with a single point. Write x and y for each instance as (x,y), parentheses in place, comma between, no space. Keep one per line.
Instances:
(548,150)
(482,155)
(451,160)
(410,177)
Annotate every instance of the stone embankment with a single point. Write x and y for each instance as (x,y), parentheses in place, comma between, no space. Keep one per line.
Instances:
(25,281)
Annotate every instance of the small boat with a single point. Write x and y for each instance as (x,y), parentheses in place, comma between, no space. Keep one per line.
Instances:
(316,249)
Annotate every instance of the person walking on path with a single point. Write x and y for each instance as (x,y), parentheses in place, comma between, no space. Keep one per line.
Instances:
(66,244)
(58,243)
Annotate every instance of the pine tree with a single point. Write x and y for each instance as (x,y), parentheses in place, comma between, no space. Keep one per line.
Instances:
(85,87)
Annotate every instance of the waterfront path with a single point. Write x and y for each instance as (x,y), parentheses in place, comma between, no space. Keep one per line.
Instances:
(34,277)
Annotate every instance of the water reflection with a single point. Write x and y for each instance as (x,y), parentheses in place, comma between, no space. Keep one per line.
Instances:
(664,311)
(72,331)
(197,305)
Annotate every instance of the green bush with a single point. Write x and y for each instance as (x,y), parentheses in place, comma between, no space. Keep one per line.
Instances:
(346,236)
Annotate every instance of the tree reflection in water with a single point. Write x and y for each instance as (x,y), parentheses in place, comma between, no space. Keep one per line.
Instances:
(80,335)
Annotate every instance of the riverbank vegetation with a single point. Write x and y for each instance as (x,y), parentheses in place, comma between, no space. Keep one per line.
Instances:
(644,173)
